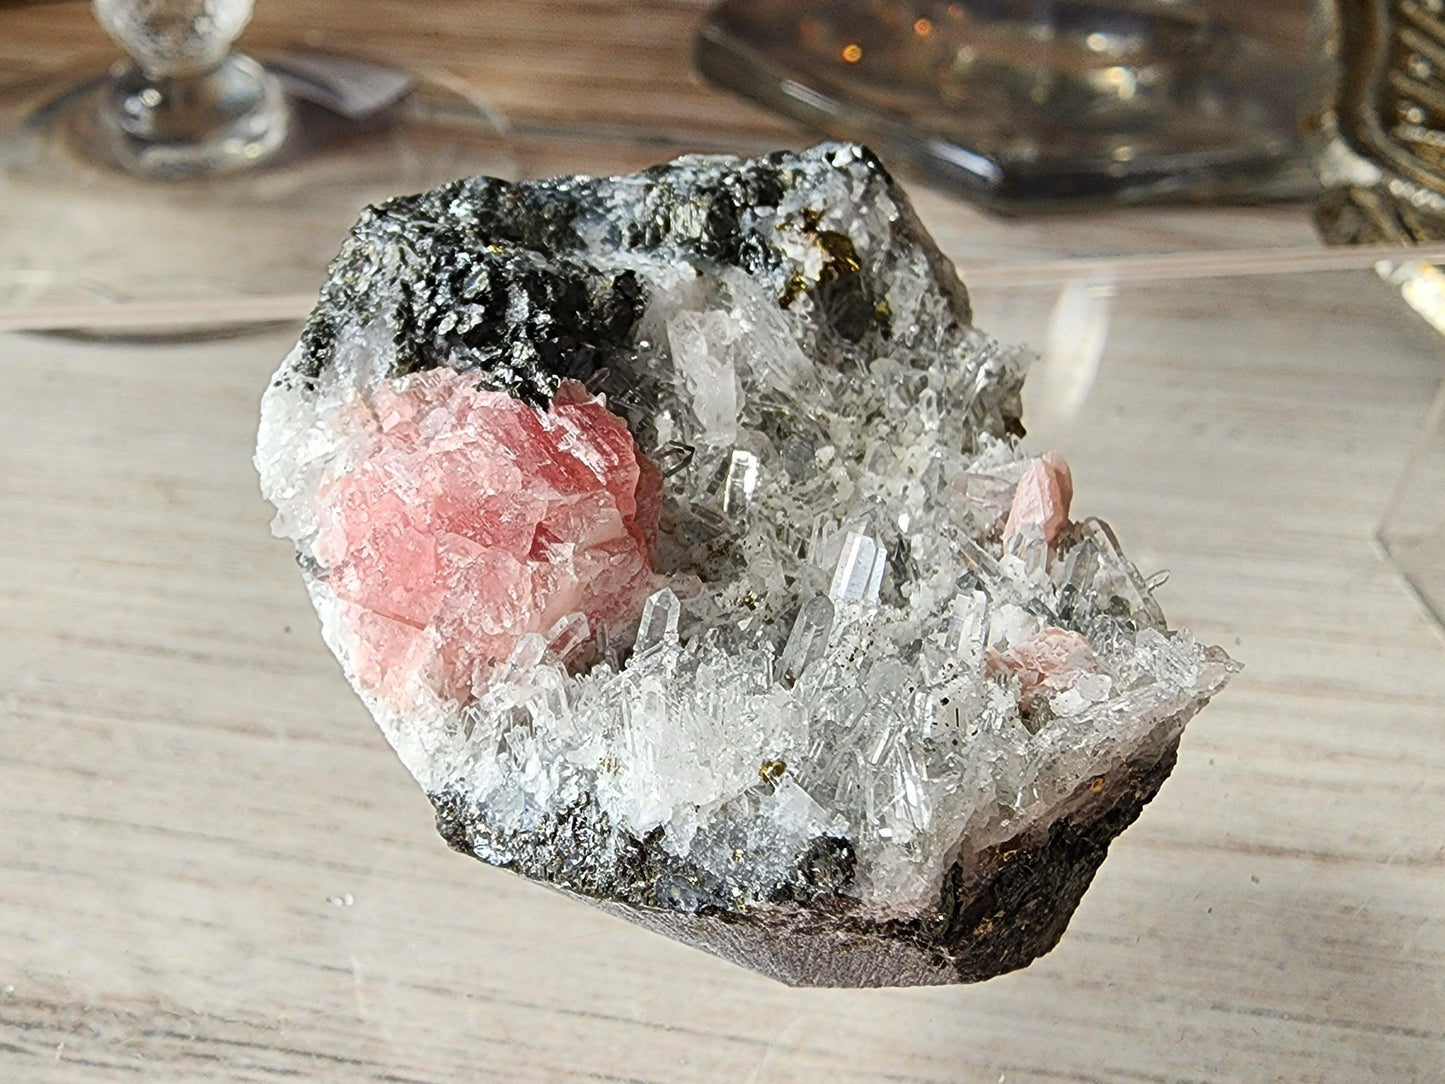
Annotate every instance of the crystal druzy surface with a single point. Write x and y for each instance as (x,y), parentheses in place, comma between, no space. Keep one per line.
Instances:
(674,529)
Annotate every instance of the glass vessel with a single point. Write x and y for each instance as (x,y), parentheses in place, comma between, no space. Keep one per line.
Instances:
(1382,158)
(1021,104)
(188,170)
(1412,532)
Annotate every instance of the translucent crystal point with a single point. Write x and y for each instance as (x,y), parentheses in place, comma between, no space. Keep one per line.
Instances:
(1031,547)
(808,640)
(742,479)
(968,630)
(658,627)
(858,575)
(1128,581)
(568,635)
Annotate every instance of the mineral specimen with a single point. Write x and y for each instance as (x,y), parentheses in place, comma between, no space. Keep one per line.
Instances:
(674,529)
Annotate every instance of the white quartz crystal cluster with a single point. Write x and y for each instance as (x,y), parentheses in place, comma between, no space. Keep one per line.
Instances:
(821,659)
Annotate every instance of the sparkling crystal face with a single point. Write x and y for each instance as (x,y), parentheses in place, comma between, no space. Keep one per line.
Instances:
(675,530)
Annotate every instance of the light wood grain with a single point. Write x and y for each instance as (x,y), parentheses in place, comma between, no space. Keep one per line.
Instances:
(213,869)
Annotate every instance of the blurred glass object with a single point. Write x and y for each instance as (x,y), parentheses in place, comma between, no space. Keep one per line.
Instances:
(188,170)
(1025,104)
(1381,156)
(1413,530)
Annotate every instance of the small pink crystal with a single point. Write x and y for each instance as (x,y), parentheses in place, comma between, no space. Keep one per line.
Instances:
(1051,660)
(474,518)
(1042,497)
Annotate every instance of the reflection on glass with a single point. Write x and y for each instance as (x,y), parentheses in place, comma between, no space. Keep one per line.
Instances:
(184,102)
(1073,347)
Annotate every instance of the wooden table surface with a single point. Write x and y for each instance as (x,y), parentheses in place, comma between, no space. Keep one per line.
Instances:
(212,868)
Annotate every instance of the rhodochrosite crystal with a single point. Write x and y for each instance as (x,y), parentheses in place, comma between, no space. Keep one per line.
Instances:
(674,529)
(474,519)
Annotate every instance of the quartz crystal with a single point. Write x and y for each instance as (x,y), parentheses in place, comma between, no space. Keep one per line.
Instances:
(676,532)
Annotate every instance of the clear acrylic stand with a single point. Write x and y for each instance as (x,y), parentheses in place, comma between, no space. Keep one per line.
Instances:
(1412,532)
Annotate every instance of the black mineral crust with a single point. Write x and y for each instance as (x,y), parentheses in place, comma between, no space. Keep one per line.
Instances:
(492,277)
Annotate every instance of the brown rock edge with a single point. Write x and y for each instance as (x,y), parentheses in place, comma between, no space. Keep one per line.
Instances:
(1000,909)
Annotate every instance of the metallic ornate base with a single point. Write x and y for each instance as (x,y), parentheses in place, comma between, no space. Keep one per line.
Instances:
(1381,214)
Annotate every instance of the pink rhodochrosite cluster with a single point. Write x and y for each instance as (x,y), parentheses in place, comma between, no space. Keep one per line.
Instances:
(1049,661)
(472,518)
